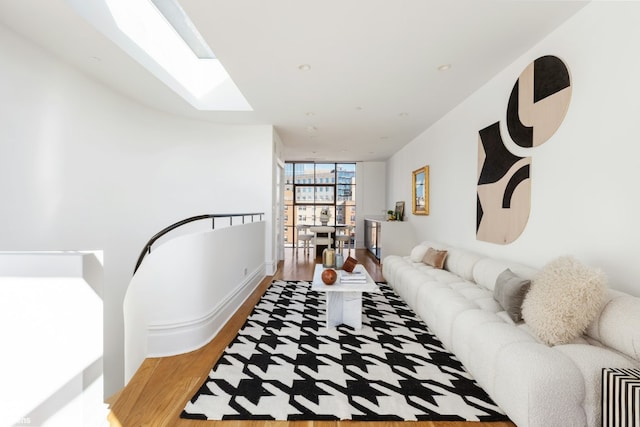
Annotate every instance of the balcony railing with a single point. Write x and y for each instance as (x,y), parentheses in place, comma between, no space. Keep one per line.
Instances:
(212,217)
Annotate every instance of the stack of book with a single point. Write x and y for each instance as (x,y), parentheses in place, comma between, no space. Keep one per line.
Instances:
(357,276)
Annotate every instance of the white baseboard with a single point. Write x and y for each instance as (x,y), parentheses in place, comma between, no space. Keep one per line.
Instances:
(182,337)
(270,268)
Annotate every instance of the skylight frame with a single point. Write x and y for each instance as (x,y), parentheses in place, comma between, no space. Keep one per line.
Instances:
(203,83)
(186,29)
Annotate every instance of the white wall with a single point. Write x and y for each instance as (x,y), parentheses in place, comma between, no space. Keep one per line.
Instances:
(585,201)
(187,289)
(84,168)
(276,252)
(370,195)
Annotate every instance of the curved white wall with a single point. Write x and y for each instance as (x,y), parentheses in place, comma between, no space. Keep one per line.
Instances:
(187,288)
(84,168)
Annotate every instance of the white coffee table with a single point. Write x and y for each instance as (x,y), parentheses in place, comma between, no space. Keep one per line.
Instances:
(344,300)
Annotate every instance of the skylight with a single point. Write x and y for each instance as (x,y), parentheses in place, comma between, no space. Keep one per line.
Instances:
(175,52)
(180,22)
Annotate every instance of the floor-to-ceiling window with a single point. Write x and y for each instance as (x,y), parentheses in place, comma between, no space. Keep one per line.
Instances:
(310,188)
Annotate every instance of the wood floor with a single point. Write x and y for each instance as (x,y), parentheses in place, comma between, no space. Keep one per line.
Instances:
(159,390)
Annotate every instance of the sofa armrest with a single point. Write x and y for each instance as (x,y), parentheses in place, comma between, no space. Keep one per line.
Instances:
(539,387)
(618,324)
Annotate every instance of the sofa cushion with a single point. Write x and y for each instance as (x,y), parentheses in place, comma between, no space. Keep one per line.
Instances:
(461,262)
(465,327)
(487,270)
(392,265)
(510,291)
(435,258)
(563,300)
(480,297)
(443,276)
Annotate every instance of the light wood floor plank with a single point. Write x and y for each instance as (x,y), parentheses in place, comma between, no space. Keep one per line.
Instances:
(159,390)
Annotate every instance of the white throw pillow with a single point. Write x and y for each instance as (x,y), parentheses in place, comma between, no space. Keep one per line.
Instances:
(563,300)
(417,253)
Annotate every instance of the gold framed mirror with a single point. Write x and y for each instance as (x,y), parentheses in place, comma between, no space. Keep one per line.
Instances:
(420,193)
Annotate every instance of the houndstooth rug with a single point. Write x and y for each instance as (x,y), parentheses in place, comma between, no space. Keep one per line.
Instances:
(286,365)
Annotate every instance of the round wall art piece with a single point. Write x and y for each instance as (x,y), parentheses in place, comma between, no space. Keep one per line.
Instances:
(539,101)
(537,106)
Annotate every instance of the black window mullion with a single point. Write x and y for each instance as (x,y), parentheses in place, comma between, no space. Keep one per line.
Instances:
(335,187)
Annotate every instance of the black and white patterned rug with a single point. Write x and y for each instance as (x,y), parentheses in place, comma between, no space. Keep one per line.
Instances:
(284,364)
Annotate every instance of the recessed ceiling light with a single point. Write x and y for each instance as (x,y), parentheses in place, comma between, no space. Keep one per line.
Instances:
(444,67)
(304,67)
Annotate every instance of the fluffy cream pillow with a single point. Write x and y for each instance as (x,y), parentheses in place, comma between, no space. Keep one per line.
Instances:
(563,300)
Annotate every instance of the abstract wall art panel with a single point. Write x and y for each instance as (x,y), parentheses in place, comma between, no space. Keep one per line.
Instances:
(504,189)
(537,106)
(539,102)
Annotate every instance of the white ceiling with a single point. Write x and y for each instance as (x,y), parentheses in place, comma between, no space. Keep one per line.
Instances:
(373,85)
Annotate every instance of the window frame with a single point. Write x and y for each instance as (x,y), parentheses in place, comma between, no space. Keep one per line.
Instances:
(296,174)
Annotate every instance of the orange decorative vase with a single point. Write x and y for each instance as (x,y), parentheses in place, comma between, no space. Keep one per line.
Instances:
(329,276)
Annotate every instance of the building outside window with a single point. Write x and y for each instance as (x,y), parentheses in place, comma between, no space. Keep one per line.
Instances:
(310,187)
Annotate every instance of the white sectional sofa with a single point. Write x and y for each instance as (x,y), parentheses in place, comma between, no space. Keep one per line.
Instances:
(536,384)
